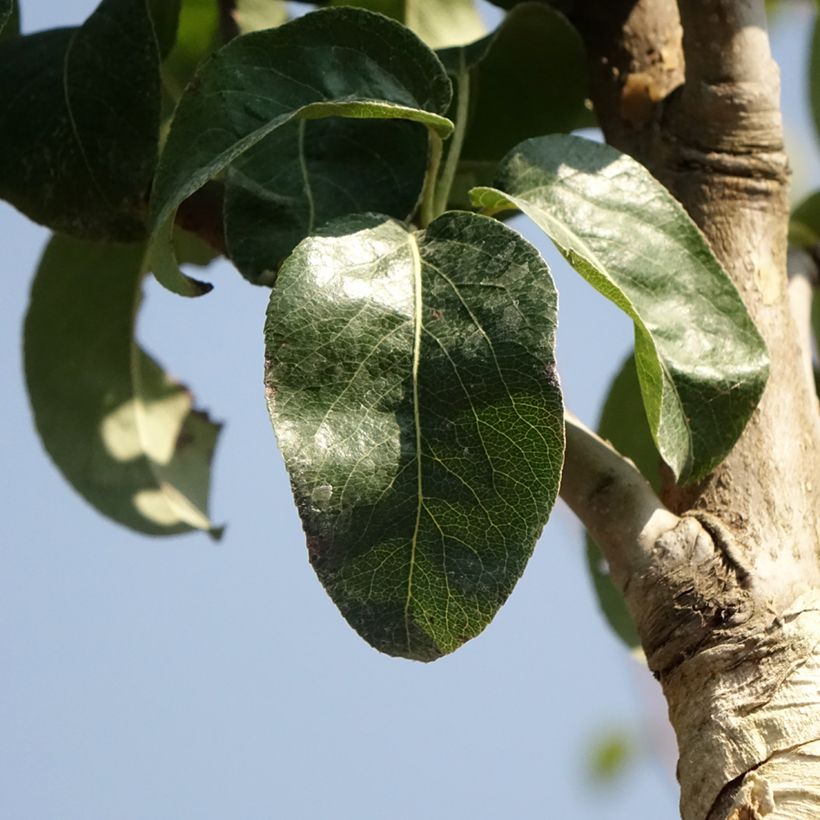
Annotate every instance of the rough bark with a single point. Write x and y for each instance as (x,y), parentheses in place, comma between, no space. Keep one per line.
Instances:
(726,599)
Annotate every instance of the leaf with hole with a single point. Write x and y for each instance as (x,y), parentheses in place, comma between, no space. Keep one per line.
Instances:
(413,392)
(122,432)
(333,62)
(701,362)
(78,148)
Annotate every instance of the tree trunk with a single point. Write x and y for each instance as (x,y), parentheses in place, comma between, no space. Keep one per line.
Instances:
(723,582)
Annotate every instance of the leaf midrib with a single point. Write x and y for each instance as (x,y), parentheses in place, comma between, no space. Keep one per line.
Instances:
(417,331)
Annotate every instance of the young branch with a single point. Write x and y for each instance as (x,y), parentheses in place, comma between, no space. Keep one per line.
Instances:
(601,487)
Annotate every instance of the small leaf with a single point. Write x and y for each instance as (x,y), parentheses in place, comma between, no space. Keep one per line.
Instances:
(78,148)
(413,391)
(121,431)
(701,362)
(256,15)
(334,62)
(440,23)
(623,423)
(804,224)
(311,171)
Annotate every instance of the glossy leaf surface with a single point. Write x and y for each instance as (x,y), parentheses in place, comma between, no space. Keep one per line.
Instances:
(440,23)
(311,171)
(412,388)
(701,362)
(78,148)
(121,431)
(333,62)
(623,423)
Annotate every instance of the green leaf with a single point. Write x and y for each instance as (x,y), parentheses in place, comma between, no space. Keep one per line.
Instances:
(537,52)
(623,423)
(334,62)
(78,148)
(440,23)
(540,55)
(311,171)
(804,224)
(701,362)
(412,388)
(256,15)
(121,431)
(9,18)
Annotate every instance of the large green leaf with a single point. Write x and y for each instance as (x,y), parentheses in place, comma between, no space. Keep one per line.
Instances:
(333,62)
(440,23)
(413,392)
(80,114)
(623,423)
(311,171)
(701,362)
(120,430)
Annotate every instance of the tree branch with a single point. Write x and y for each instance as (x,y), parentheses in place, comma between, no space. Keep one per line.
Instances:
(601,487)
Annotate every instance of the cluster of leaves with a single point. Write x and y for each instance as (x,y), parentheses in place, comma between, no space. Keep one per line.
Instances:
(410,335)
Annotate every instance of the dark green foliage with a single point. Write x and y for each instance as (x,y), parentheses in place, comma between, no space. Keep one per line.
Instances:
(269,79)
(536,52)
(78,149)
(409,351)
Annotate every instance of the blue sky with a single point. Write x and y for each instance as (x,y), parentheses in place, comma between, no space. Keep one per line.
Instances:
(182,679)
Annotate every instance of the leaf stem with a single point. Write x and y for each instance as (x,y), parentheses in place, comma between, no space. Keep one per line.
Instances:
(448,174)
(428,208)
